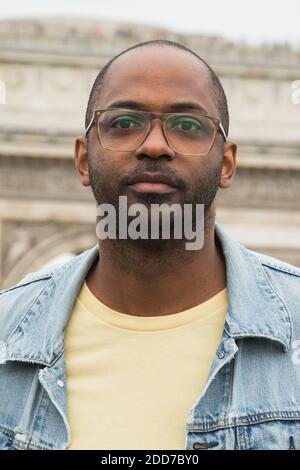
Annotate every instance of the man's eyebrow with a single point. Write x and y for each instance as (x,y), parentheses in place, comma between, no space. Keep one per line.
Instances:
(187,105)
(127,104)
(179,106)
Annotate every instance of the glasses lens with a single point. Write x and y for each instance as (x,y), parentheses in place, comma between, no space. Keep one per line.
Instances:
(189,134)
(122,129)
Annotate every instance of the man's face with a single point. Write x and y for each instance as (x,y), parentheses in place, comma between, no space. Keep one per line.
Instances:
(157,78)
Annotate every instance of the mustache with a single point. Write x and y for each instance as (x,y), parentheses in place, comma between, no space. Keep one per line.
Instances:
(154,167)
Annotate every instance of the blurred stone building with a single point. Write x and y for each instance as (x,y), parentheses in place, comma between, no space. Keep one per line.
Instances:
(48,67)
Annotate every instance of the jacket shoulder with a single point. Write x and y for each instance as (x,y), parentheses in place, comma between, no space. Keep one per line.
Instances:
(276,264)
(46,272)
(16,300)
(284,280)
(32,277)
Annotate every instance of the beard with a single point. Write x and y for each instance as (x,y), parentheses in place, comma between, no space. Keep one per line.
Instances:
(107,186)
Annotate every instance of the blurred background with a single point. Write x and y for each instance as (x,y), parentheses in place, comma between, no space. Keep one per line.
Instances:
(50,54)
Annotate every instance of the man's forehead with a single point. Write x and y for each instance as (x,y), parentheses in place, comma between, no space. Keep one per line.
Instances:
(161,74)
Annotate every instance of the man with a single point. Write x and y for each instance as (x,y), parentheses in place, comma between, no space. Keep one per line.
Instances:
(142,343)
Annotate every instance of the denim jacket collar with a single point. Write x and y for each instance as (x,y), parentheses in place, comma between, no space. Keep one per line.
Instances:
(255,309)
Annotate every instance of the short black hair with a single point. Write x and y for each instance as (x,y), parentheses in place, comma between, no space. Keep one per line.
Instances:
(218,88)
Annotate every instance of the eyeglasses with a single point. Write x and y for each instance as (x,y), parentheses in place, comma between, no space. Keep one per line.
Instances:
(125,130)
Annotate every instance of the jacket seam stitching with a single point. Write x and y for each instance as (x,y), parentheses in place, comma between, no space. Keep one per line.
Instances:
(8,432)
(31,427)
(239,423)
(280,268)
(286,321)
(32,281)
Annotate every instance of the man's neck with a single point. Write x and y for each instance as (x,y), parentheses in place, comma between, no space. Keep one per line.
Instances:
(142,281)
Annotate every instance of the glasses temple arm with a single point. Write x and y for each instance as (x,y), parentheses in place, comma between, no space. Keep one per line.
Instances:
(90,124)
(223,131)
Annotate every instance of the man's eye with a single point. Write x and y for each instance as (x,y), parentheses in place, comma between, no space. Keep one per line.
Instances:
(187,125)
(126,123)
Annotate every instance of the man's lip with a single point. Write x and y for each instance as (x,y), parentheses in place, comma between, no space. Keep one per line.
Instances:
(147,187)
(153,178)
(153,183)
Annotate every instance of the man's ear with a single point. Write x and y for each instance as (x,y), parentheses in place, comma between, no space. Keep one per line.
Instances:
(81,160)
(229,165)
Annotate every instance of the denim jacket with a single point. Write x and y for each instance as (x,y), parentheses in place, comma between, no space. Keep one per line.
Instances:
(251,399)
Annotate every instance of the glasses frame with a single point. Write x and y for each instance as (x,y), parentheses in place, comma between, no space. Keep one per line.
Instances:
(163,117)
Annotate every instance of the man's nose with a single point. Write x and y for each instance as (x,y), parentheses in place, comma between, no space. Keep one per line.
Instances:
(155,145)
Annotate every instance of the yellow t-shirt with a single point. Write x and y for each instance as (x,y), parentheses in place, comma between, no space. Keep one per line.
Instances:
(132,380)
